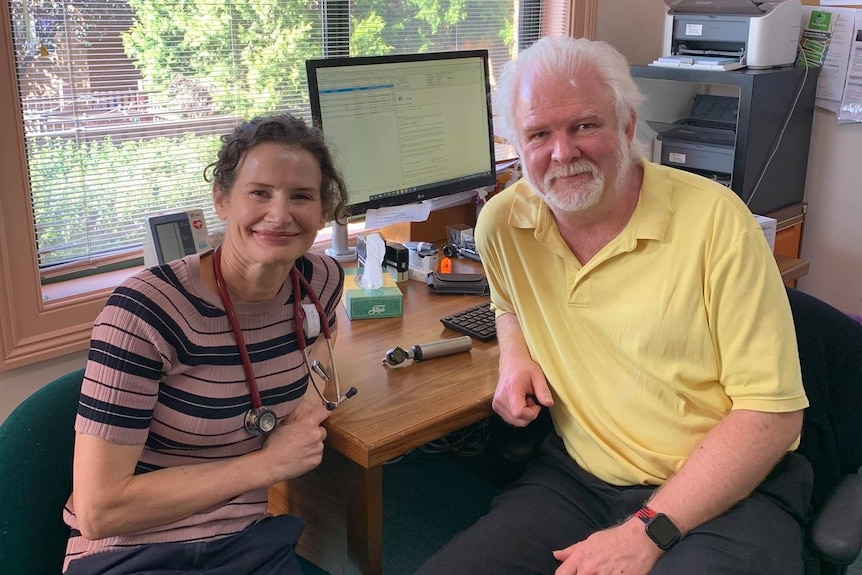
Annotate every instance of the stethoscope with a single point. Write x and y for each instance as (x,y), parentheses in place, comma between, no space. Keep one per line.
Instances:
(260,420)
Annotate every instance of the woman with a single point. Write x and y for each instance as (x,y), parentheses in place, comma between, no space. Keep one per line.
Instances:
(172,463)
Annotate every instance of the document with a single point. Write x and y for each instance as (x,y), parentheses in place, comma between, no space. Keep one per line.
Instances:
(833,71)
(417,212)
(851,101)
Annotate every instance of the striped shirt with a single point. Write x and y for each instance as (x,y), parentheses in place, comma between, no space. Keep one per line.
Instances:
(164,371)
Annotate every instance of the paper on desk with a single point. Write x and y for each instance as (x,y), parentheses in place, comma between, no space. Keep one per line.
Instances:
(417,212)
(841,2)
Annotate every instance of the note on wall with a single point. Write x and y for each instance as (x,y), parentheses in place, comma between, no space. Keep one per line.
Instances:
(851,101)
(833,73)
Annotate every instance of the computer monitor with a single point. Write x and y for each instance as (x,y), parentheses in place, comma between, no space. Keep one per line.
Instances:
(404,128)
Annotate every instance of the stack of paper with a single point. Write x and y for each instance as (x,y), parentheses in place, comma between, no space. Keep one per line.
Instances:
(693,62)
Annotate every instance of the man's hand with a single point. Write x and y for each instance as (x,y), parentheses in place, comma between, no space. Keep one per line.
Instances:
(296,445)
(521,391)
(625,549)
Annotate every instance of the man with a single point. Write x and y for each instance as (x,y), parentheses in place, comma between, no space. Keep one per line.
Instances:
(642,306)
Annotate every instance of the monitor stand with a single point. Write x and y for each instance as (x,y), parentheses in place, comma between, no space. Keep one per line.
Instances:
(340,251)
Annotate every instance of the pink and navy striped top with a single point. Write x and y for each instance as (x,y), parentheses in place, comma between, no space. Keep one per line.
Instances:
(164,371)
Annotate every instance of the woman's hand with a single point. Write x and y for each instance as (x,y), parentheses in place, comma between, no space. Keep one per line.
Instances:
(296,445)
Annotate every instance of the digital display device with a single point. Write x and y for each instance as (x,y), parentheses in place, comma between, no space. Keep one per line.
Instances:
(172,236)
(404,128)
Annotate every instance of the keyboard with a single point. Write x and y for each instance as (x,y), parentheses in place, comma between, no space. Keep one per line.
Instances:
(476,321)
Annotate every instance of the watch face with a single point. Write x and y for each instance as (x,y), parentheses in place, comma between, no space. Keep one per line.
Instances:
(662,531)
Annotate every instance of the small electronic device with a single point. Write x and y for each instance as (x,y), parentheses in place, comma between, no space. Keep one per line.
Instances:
(172,236)
(477,321)
(451,283)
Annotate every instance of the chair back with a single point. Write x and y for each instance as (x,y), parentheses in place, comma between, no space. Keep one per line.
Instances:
(830,354)
(36,442)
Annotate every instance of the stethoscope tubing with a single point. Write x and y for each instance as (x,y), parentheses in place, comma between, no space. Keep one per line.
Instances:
(297,280)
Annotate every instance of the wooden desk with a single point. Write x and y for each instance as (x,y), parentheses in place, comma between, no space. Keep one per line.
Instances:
(394,411)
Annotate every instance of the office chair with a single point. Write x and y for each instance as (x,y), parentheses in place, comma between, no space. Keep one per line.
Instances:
(36,442)
(830,355)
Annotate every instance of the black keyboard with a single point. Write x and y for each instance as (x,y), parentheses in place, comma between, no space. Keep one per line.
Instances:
(476,321)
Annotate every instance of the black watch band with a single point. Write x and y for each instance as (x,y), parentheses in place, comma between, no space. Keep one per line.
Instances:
(659,528)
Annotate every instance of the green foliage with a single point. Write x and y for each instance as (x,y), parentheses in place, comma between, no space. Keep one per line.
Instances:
(99,192)
(205,57)
(249,55)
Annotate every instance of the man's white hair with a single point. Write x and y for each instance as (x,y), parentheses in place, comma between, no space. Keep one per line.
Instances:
(556,58)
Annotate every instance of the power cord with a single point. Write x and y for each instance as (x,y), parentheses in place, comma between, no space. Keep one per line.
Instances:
(467,442)
(781,132)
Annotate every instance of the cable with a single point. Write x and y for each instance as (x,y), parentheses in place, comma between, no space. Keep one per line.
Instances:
(781,132)
(467,442)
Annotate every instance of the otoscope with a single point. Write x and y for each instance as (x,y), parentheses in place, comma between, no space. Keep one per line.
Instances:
(397,356)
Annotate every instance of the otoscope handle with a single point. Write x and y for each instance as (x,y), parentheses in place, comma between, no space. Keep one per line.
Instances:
(441,348)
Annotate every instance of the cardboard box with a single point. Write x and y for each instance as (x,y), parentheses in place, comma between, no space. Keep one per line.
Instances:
(768,225)
(361,303)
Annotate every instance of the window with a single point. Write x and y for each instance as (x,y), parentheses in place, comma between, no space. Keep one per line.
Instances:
(110,109)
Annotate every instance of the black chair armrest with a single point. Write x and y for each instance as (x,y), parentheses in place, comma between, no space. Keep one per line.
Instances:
(836,532)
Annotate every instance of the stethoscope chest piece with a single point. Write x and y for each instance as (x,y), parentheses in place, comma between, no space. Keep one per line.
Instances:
(260,421)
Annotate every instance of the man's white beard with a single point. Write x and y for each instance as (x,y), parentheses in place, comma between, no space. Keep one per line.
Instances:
(577,197)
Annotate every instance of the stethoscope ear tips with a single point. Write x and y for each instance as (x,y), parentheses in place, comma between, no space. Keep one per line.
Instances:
(350,393)
(331,405)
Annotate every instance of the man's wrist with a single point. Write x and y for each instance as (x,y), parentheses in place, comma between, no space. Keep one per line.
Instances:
(658,526)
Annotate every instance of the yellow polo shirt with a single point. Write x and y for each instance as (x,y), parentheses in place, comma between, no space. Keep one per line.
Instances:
(680,319)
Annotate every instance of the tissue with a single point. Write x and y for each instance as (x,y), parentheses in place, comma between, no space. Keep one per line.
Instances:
(375,252)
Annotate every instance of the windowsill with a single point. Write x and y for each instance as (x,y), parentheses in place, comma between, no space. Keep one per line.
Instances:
(107,281)
(103,282)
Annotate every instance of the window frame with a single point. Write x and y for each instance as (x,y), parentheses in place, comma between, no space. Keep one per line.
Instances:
(33,330)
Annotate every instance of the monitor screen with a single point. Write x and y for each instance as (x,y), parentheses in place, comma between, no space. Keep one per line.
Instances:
(404,128)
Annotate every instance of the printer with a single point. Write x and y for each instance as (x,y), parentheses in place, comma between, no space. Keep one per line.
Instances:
(756,34)
(702,143)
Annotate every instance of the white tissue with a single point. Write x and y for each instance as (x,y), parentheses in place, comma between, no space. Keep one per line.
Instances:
(375,252)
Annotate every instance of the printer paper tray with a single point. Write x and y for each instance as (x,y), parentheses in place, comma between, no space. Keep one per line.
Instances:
(717,64)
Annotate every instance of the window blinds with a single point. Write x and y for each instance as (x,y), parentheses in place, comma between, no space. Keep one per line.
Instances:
(123,101)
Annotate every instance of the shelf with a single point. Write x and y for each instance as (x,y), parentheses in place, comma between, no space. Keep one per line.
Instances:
(770,117)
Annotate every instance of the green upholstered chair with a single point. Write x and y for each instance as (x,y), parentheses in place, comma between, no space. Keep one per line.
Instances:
(36,442)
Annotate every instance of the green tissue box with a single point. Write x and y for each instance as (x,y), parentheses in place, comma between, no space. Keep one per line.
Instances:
(362,303)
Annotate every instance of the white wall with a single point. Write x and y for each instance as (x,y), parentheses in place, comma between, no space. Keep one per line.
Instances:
(832,235)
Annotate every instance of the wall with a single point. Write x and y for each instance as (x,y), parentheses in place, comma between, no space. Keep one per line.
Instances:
(17,384)
(634,27)
(832,235)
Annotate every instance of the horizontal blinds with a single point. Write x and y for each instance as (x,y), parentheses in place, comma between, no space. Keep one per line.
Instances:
(124,101)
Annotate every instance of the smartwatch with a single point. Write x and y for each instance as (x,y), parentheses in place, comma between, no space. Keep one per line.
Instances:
(659,528)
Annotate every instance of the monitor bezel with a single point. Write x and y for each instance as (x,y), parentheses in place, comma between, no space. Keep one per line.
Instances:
(354,209)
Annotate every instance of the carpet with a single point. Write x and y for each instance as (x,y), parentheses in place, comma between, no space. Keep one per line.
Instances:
(427,499)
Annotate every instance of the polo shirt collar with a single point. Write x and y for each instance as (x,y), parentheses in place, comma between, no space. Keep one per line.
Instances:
(649,221)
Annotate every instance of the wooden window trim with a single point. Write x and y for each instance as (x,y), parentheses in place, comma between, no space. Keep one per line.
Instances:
(31,329)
